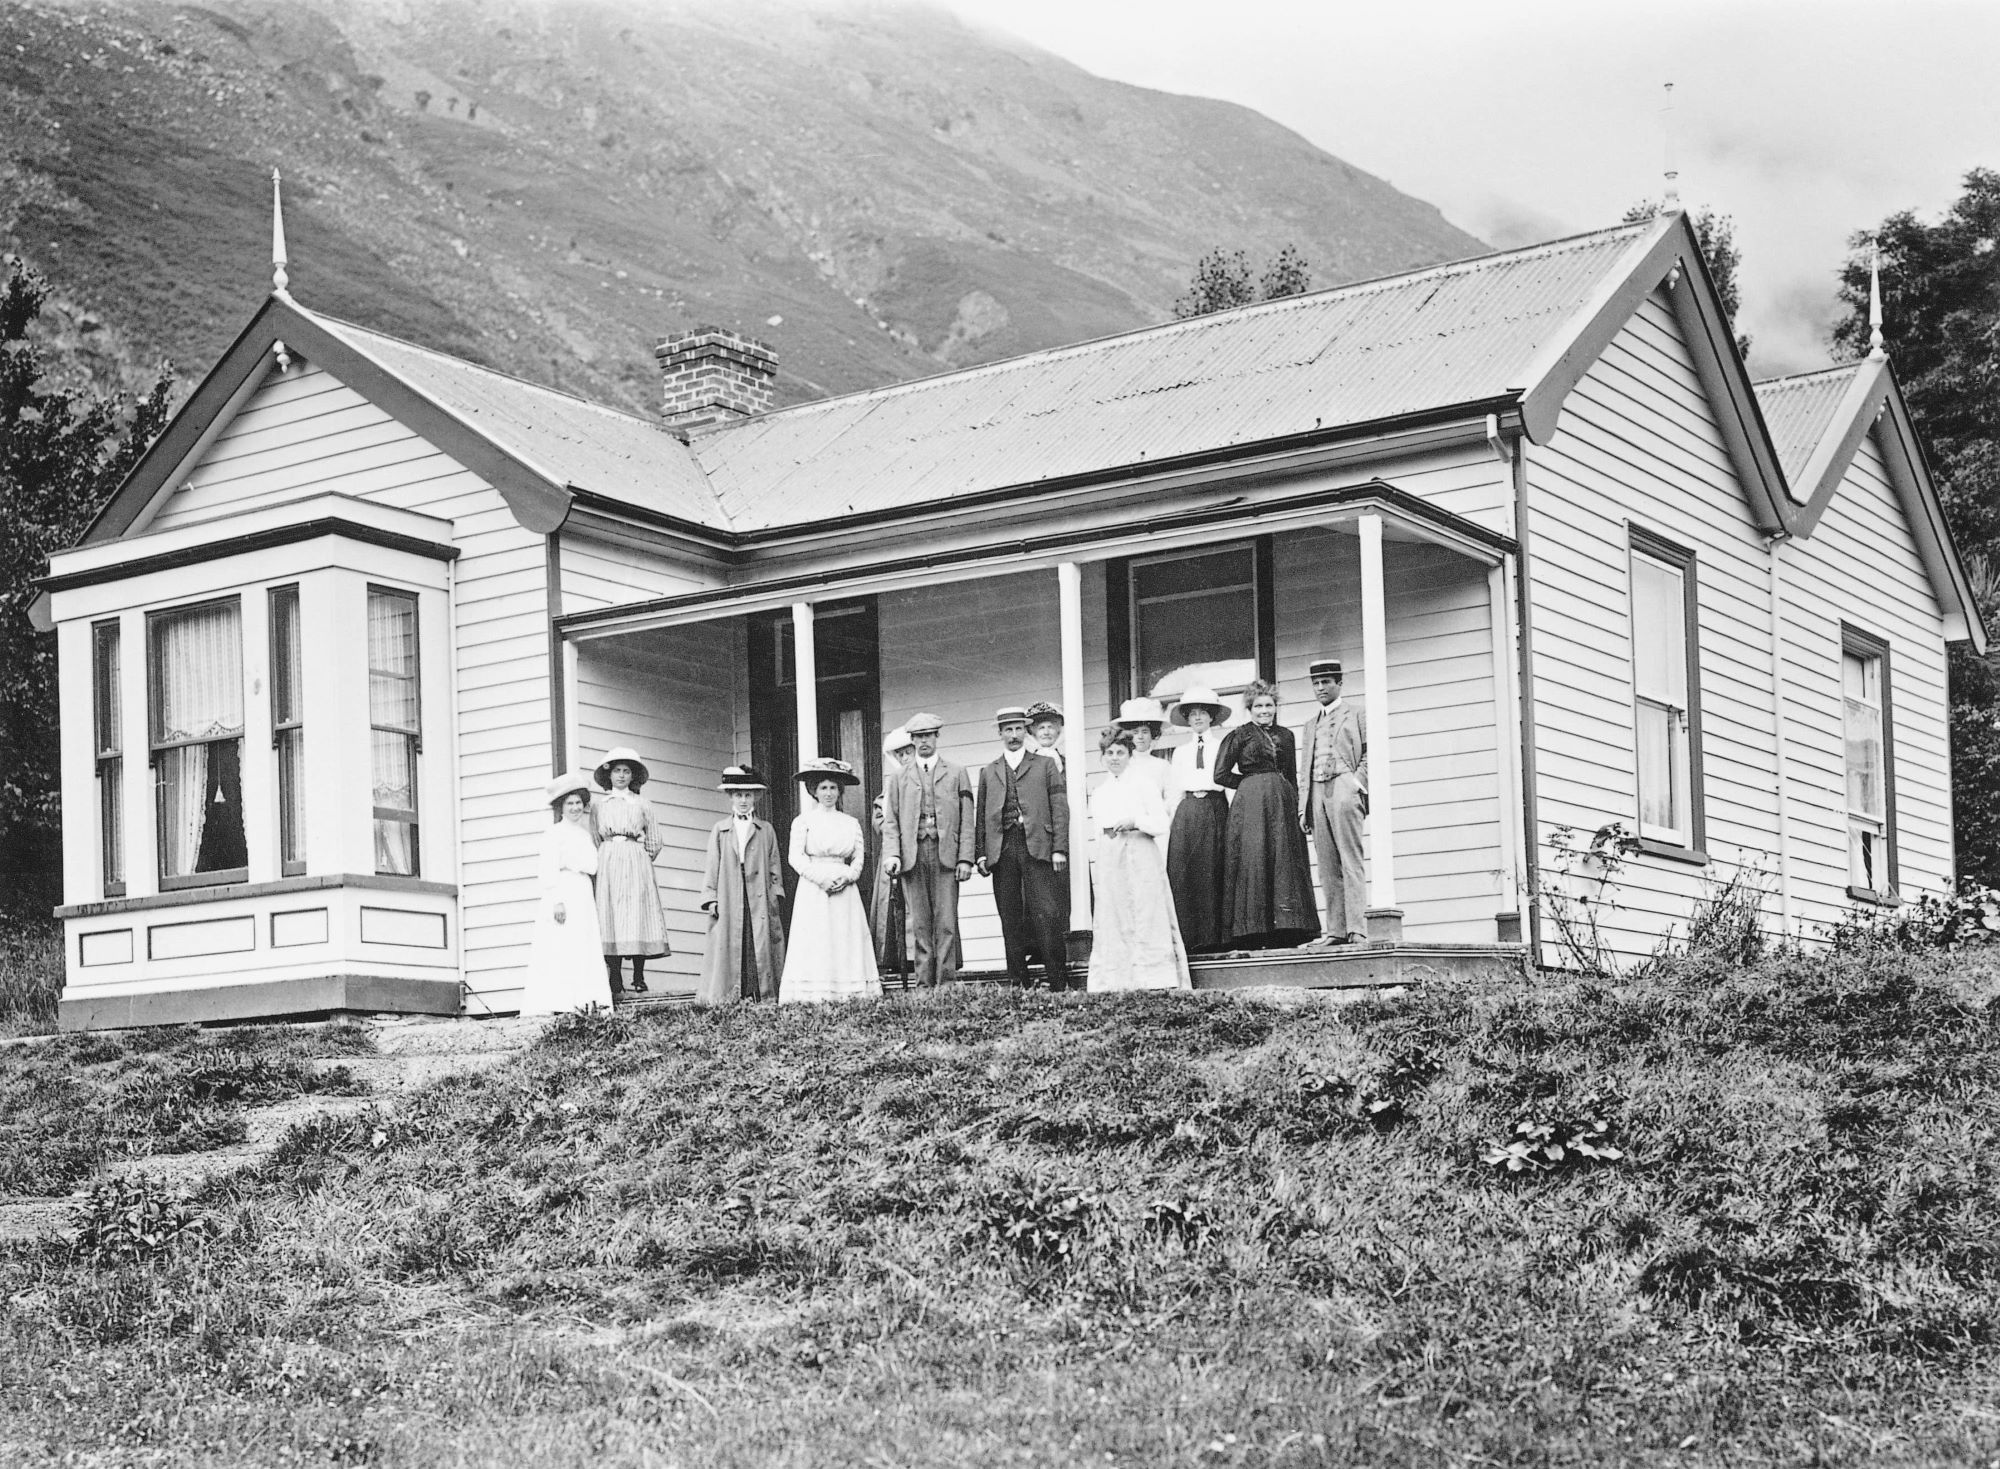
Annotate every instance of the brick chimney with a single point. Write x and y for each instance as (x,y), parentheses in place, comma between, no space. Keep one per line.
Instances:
(712,376)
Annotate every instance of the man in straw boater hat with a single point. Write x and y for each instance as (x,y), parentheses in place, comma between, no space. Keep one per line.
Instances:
(1334,755)
(1024,847)
(743,893)
(928,830)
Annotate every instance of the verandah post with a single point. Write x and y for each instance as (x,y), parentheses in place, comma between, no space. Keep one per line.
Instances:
(805,678)
(1385,919)
(1069,596)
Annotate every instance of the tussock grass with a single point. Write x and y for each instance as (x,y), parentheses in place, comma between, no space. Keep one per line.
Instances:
(73,1103)
(31,975)
(989,1228)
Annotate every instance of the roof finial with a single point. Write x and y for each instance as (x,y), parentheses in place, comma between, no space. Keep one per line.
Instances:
(1876,351)
(1671,203)
(279,280)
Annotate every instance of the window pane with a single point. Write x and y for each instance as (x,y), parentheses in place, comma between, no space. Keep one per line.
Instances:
(111,820)
(395,771)
(1658,799)
(1659,632)
(197,684)
(291,797)
(200,791)
(1864,857)
(1195,621)
(392,659)
(1864,759)
(108,698)
(396,848)
(285,658)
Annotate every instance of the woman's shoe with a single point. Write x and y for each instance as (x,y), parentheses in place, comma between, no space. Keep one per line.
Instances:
(638,986)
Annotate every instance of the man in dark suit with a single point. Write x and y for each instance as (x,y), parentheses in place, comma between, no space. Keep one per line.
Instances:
(1024,846)
(927,831)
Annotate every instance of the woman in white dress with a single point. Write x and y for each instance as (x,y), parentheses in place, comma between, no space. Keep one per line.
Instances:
(1144,720)
(1138,943)
(565,955)
(829,955)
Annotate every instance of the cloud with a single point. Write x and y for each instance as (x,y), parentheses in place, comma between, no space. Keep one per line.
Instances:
(1505,223)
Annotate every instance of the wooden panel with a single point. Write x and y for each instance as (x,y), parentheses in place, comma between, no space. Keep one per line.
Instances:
(200,937)
(105,946)
(408,928)
(298,928)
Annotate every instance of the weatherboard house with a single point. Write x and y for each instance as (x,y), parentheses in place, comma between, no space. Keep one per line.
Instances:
(323,648)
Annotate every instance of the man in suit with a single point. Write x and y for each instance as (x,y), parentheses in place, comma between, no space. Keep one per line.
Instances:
(1334,756)
(1024,847)
(928,830)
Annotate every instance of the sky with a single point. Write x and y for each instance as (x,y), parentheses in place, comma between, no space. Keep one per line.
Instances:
(1803,120)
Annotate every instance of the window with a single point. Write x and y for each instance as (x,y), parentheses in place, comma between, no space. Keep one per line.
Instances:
(396,730)
(109,720)
(195,714)
(288,736)
(1871,805)
(1666,704)
(1194,620)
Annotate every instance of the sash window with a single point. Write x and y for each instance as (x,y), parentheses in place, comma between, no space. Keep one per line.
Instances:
(195,695)
(395,728)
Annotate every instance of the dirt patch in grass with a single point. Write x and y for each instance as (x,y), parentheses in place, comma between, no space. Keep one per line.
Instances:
(982,1227)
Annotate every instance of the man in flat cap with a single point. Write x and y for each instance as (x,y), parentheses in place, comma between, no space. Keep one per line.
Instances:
(1024,847)
(928,831)
(1334,753)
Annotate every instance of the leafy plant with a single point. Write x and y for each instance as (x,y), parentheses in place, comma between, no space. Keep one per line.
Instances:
(1542,1144)
(1035,1222)
(1579,890)
(1728,919)
(1969,914)
(123,1221)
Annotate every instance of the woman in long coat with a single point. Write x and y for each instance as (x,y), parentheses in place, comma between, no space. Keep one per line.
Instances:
(743,893)
(1267,879)
(1137,945)
(565,965)
(830,956)
(634,924)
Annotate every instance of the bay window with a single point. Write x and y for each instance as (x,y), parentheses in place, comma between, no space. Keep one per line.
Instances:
(1665,689)
(108,718)
(1871,807)
(195,714)
(288,729)
(395,728)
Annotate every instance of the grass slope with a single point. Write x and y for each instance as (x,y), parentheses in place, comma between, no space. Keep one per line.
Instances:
(1150,1230)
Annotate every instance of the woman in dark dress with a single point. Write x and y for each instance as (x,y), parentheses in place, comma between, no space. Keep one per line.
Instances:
(1267,883)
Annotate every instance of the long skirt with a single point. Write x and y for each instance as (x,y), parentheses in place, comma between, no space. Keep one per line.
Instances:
(829,955)
(1137,945)
(565,964)
(1267,889)
(1197,862)
(628,900)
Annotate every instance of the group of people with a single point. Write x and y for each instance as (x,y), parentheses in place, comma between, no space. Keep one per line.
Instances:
(1197,849)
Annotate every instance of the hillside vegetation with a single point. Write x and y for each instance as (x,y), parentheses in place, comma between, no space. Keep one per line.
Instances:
(548,185)
(986,1228)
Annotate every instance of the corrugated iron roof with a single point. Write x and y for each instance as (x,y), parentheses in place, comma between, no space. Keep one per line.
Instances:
(1799,410)
(1459,333)
(568,440)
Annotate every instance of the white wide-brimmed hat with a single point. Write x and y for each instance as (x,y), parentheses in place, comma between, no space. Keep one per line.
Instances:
(1140,711)
(623,755)
(826,768)
(1200,696)
(896,741)
(570,781)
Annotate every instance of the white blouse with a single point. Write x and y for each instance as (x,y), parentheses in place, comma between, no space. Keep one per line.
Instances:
(1133,798)
(1186,777)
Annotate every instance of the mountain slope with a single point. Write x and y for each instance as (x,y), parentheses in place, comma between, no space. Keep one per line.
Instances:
(878,192)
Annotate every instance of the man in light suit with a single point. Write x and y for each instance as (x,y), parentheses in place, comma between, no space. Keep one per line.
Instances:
(1024,847)
(928,832)
(1334,755)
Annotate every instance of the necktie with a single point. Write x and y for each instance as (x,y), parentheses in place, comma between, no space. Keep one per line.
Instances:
(1201,752)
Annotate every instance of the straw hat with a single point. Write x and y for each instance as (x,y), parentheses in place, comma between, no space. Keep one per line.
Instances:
(1140,711)
(623,755)
(896,741)
(1323,668)
(826,768)
(742,778)
(1200,696)
(1011,714)
(577,781)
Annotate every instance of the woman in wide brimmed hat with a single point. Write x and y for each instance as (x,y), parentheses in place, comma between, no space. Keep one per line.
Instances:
(830,955)
(565,964)
(634,923)
(1196,850)
(1143,719)
(887,912)
(743,893)
(1138,944)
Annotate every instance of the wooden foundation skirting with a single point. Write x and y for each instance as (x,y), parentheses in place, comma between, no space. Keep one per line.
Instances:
(277,999)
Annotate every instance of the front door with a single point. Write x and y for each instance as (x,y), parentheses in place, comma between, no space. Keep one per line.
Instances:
(849,692)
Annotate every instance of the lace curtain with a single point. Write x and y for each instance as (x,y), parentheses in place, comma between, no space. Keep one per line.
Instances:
(197,689)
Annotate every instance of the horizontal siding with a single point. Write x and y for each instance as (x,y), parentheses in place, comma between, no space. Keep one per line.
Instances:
(305,433)
(669,694)
(600,572)
(1638,443)
(1861,566)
